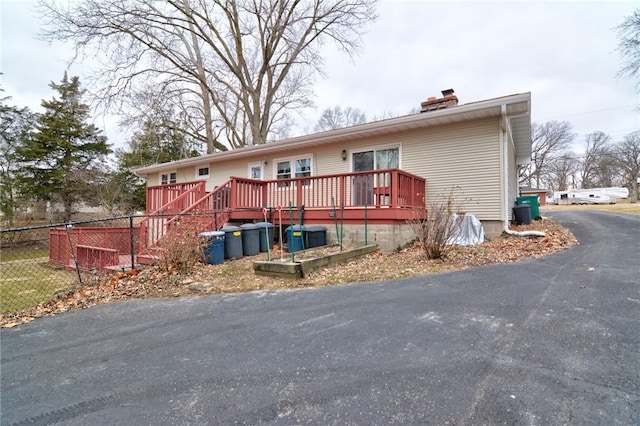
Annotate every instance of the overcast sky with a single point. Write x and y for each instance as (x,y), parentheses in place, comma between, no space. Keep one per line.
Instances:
(564,53)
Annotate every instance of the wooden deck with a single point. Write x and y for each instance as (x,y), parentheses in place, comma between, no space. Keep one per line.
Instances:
(381,196)
(375,197)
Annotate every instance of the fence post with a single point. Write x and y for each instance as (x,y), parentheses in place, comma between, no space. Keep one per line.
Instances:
(132,243)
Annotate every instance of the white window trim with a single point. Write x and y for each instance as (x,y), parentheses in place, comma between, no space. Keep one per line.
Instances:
(168,175)
(256,164)
(374,149)
(292,160)
(197,172)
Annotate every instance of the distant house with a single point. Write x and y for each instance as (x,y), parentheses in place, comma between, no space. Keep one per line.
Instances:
(541,193)
(379,173)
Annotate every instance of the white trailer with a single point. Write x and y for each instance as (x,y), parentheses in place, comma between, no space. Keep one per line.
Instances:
(590,196)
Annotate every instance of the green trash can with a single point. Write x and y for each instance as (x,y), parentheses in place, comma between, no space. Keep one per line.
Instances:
(531,200)
(266,235)
(250,239)
(213,247)
(296,238)
(232,242)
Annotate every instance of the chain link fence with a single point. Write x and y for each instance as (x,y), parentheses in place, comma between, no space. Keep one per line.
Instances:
(45,262)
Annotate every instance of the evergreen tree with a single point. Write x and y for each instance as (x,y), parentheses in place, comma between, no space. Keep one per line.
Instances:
(64,158)
(159,140)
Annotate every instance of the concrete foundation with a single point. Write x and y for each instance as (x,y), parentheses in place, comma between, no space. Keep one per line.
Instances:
(391,237)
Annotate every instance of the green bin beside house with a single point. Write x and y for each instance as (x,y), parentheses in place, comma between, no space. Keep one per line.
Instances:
(532,201)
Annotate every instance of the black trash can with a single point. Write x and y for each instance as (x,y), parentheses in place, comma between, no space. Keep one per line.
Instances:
(531,200)
(213,247)
(296,238)
(316,236)
(232,242)
(250,239)
(522,214)
(266,235)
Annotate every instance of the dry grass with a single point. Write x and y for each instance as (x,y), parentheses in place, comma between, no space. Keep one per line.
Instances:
(620,207)
(238,276)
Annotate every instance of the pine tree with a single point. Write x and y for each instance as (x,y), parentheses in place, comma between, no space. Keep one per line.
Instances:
(64,157)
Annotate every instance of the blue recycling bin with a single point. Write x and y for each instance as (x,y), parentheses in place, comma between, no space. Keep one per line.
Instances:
(266,235)
(213,247)
(296,238)
(232,242)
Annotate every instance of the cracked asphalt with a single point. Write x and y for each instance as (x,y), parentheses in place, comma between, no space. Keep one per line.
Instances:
(542,342)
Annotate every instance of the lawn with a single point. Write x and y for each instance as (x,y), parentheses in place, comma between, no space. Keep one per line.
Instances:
(620,207)
(26,278)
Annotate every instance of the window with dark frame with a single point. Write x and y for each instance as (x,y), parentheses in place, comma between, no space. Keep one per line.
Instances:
(203,171)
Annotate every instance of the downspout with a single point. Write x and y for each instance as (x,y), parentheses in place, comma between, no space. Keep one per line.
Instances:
(505,153)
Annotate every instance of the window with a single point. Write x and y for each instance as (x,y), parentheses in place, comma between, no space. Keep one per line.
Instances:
(168,178)
(256,170)
(283,171)
(295,167)
(202,172)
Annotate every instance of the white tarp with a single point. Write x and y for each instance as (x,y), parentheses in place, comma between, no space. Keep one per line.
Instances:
(470,233)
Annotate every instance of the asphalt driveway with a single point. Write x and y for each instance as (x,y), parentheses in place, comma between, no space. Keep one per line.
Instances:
(548,341)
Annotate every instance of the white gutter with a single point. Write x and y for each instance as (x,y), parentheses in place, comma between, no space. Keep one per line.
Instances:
(505,153)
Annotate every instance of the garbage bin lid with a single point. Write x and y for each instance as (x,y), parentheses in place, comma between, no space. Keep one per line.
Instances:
(210,234)
(264,224)
(249,226)
(230,228)
(297,228)
(315,228)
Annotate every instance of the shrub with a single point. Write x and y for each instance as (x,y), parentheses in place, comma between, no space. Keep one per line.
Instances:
(437,226)
(181,248)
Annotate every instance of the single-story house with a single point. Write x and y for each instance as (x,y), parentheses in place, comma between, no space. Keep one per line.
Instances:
(371,178)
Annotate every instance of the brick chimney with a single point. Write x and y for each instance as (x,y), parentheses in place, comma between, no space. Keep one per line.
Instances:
(447,100)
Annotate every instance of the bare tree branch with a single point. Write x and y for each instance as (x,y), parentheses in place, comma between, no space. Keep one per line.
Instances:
(245,62)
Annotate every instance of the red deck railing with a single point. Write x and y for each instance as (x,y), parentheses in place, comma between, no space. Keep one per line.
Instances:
(392,188)
(63,242)
(390,195)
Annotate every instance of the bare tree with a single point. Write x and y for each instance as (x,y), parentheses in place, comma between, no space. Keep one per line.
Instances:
(337,118)
(597,166)
(629,46)
(235,65)
(549,142)
(561,172)
(628,155)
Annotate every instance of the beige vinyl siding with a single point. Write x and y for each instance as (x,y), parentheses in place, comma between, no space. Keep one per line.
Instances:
(466,156)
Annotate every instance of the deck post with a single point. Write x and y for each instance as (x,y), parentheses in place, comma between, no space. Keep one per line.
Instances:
(131,242)
(395,187)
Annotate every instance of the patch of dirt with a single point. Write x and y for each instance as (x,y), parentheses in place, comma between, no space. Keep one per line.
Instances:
(238,276)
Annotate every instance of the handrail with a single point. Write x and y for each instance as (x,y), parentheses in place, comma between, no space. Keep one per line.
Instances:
(202,200)
(198,187)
